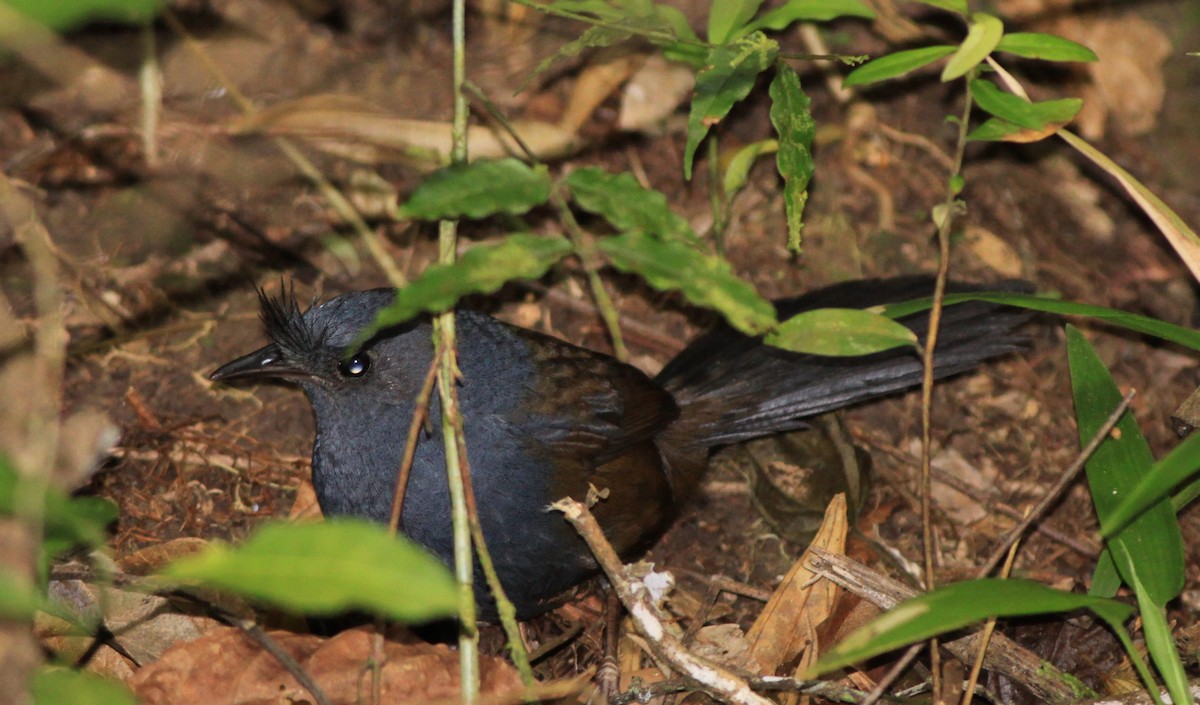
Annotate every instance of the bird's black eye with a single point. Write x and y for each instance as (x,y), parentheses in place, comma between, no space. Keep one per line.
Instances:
(356,366)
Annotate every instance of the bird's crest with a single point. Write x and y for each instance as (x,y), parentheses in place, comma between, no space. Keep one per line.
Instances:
(285,323)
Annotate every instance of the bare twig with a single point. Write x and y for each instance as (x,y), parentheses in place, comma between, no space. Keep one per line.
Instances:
(420,414)
(648,618)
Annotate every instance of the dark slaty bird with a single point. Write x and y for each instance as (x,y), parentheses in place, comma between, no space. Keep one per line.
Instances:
(546,419)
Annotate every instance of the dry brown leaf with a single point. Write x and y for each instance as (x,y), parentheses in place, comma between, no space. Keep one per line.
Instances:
(305,507)
(226,668)
(788,624)
(151,558)
(598,80)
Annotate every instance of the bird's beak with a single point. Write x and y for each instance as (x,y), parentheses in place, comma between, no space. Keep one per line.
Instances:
(265,362)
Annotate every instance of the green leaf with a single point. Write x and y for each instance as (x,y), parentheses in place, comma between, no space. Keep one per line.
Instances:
(840,332)
(478,189)
(704,279)
(793,122)
(1005,105)
(1180,464)
(737,171)
(65,14)
(18,600)
(727,77)
(1052,115)
(591,38)
(1105,579)
(1160,643)
(66,521)
(54,685)
(960,605)
(897,64)
(958,7)
(481,270)
(725,17)
(328,567)
(627,205)
(809,11)
(1035,45)
(1152,545)
(1129,321)
(983,34)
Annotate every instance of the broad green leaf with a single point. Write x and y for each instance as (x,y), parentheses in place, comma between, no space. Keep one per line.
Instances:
(1035,45)
(794,126)
(727,77)
(704,279)
(1151,544)
(481,270)
(1005,105)
(1054,115)
(1160,643)
(960,605)
(1180,464)
(725,17)
(897,64)
(55,685)
(478,189)
(66,521)
(840,332)
(328,567)
(737,171)
(983,34)
(809,11)
(958,7)
(626,204)
(1129,321)
(65,14)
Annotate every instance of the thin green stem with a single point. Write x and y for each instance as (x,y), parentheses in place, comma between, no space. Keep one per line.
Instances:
(935,319)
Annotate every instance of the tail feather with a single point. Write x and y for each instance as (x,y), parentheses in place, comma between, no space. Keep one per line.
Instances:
(731,387)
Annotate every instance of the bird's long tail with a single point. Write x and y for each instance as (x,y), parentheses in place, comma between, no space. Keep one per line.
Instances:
(731,387)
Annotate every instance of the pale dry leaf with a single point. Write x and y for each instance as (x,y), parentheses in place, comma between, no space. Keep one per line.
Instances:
(653,93)
(993,250)
(802,602)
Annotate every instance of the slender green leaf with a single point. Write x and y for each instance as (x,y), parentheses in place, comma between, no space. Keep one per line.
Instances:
(328,567)
(897,64)
(958,7)
(1106,581)
(793,11)
(481,270)
(793,122)
(725,17)
(1035,45)
(727,77)
(960,605)
(1151,544)
(1129,321)
(591,38)
(1160,643)
(627,205)
(704,279)
(1180,464)
(840,332)
(54,685)
(65,14)
(478,189)
(983,34)
(737,171)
